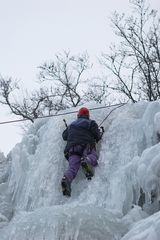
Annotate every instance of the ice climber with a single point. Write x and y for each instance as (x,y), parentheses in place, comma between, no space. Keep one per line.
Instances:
(81,136)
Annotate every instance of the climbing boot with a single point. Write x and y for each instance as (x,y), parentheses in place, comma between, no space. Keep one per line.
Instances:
(87,168)
(66,186)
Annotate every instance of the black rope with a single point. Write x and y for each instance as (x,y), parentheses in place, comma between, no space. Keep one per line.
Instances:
(67,113)
(122,104)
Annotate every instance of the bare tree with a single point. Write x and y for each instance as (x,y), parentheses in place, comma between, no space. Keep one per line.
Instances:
(97,93)
(135,62)
(30,107)
(67,77)
(67,86)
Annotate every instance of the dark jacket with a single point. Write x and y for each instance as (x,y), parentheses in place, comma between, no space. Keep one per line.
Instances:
(81,131)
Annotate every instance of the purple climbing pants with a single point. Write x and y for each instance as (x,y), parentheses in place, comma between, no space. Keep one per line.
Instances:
(75,155)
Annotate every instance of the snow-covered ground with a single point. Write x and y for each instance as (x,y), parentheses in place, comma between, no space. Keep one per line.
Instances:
(121,202)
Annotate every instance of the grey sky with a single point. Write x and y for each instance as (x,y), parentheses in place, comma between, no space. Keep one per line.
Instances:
(32,31)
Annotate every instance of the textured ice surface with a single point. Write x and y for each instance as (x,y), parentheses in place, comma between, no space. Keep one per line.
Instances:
(86,222)
(104,208)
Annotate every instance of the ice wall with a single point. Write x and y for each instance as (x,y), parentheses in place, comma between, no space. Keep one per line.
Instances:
(128,163)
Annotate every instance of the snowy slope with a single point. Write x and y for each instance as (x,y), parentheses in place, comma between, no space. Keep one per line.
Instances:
(105,208)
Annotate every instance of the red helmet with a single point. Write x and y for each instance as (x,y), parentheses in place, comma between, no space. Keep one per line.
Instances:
(83,112)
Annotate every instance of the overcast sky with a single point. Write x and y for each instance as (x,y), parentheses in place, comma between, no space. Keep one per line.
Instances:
(32,31)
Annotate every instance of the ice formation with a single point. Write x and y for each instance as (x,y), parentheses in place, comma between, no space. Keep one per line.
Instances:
(121,202)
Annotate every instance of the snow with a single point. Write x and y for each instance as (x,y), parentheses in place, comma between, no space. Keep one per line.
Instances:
(33,207)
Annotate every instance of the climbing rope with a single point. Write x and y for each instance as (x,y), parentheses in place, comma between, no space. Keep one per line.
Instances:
(67,113)
(121,105)
(102,128)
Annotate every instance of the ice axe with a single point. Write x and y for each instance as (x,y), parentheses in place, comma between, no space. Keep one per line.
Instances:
(65,123)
